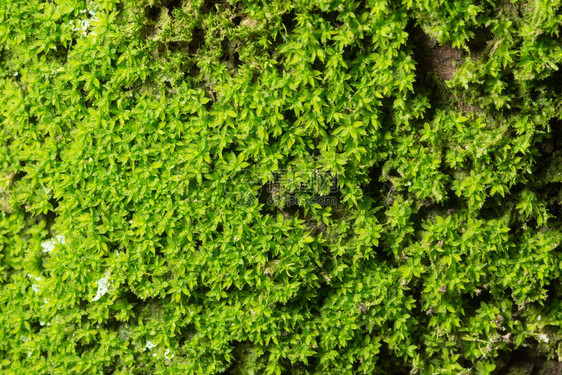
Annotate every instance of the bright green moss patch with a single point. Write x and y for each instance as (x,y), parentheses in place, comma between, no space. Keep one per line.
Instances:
(279,187)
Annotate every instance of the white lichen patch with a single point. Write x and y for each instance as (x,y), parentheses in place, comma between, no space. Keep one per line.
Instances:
(61,239)
(34,287)
(543,338)
(103,287)
(36,278)
(49,245)
(149,345)
(167,354)
(84,25)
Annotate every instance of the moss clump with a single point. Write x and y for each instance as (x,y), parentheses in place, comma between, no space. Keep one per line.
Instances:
(278,187)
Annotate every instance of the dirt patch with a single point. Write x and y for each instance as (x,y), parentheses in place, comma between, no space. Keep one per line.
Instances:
(554,141)
(479,42)
(463,106)
(526,361)
(431,57)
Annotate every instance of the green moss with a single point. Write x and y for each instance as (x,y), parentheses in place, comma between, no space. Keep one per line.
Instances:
(305,187)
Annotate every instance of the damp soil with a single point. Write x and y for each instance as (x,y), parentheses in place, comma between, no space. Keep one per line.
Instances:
(527,361)
(441,59)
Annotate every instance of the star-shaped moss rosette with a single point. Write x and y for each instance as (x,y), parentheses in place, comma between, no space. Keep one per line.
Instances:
(279,187)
